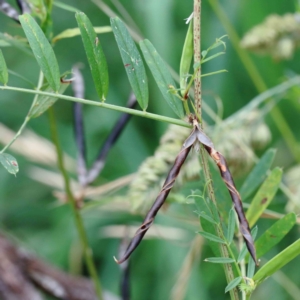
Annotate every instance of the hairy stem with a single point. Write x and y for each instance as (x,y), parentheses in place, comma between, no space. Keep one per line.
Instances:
(104,105)
(78,220)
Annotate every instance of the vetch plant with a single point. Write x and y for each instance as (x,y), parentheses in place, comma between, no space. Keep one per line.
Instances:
(225,226)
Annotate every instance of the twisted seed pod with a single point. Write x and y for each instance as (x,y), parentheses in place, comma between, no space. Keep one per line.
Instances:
(227,178)
(169,183)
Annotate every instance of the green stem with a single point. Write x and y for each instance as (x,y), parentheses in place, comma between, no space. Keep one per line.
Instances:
(78,220)
(258,81)
(27,119)
(104,105)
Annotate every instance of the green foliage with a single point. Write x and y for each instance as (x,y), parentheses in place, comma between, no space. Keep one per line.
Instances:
(275,234)
(132,61)
(277,262)
(258,174)
(42,103)
(42,51)
(264,196)
(95,55)
(3,70)
(9,163)
(162,76)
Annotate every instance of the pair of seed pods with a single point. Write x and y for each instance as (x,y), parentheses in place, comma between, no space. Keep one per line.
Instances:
(196,136)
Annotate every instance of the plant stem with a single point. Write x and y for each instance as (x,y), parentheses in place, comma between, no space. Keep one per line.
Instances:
(197,56)
(258,81)
(197,96)
(104,105)
(27,119)
(78,220)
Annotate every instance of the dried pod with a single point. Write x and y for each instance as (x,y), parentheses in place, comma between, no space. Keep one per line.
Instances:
(169,183)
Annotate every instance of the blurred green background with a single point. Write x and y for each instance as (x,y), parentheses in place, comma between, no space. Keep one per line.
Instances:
(32,214)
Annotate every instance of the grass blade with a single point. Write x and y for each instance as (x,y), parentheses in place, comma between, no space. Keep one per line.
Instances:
(3,70)
(42,51)
(233,283)
(132,61)
(71,32)
(278,262)
(9,163)
(220,260)
(264,196)
(211,237)
(275,234)
(162,76)
(95,55)
(258,174)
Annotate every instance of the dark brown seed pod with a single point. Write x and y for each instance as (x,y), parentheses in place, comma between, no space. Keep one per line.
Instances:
(181,157)
(227,178)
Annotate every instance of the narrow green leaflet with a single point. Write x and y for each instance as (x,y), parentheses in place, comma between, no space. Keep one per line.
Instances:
(232,284)
(162,76)
(275,234)
(202,214)
(251,268)
(258,174)
(42,50)
(95,55)
(69,33)
(132,61)
(43,102)
(3,70)
(186,58)
(231,226)
(264,196)
(278,262)
(220,260)
(9,163)
(211,237)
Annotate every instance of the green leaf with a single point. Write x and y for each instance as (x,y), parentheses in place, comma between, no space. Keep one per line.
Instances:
(264,196)
(95,55)
(244,249)
(231,226)
(275,234)
(186,58)
(232,284)
(69,33)
(220,260)
(251,268)
(132,61)
(9,163)
(277,262)
(42,102)
(211,237)
(42,50)
(258,174)
(203,214)
(162,76)
(3,70)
